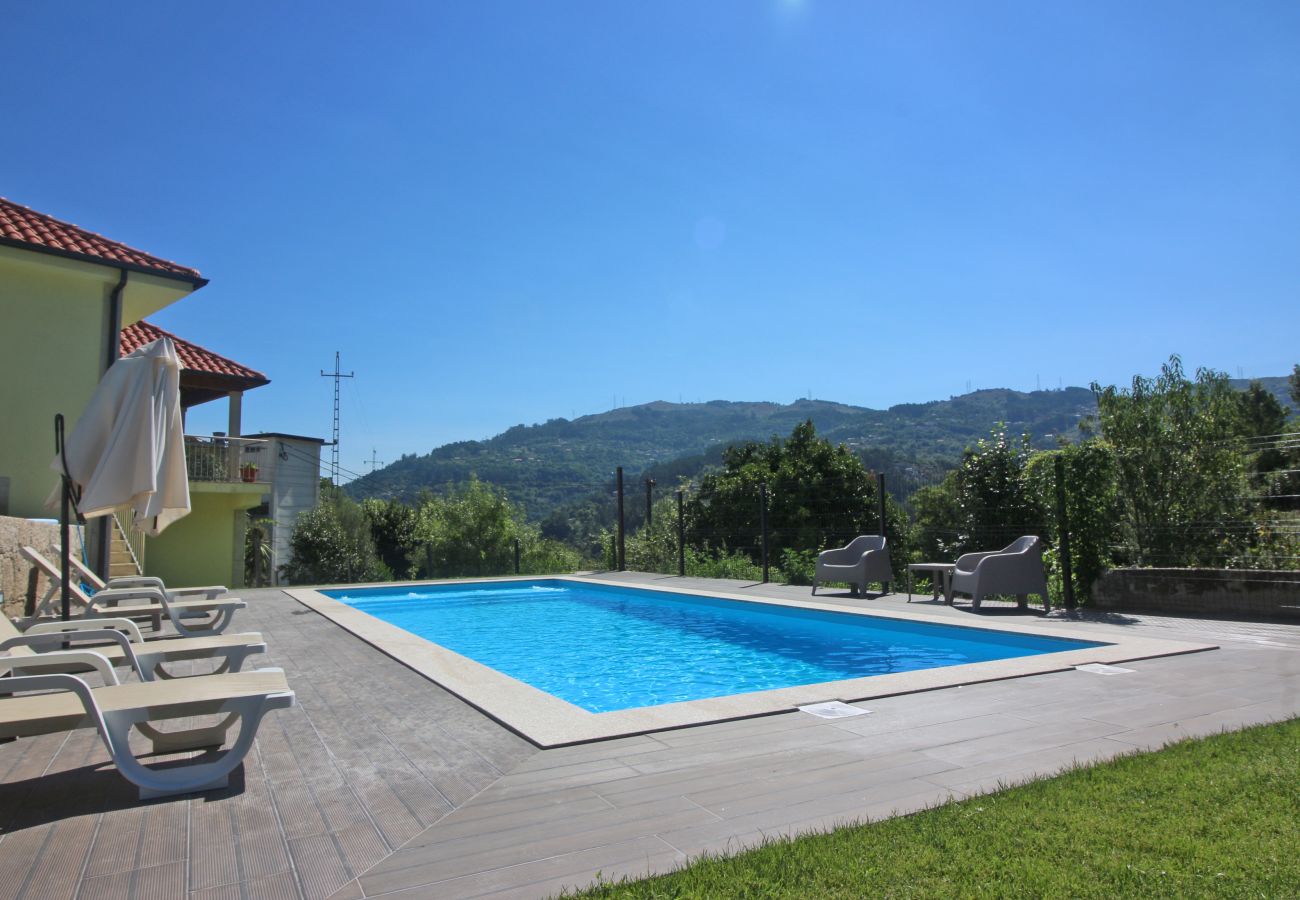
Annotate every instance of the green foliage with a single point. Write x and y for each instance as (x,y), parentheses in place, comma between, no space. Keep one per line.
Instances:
(257,552)
(994,503)
(798,566)
(1293,385)
(1092,508)
(331,544)
(936,512)
(392,526)
(469,532)
(474,530)
(984,504)
(541,556)
(1262,418)
(721,565)
(654,548)
(819,496)
(1181,466)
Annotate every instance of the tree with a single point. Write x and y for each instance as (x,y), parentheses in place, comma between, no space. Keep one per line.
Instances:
(1180,465)
(471,531)
(935,531)
(392,527)
(331,544)
(994,503)
(1293,383)
(819,496)
(1263,418)
(1092,507)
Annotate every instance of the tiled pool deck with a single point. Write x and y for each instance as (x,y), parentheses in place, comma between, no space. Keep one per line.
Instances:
(379,782)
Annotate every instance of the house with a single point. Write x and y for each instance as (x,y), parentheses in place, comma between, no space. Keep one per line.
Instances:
(290,464)
(70,301)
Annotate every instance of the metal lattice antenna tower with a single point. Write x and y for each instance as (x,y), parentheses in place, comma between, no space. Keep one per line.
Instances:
(334,450)
(374,462)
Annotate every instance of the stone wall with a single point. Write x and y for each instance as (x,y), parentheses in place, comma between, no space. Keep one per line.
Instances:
(14,570)
(1232,593)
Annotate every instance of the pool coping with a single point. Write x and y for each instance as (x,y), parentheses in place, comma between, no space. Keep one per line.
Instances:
(548,721)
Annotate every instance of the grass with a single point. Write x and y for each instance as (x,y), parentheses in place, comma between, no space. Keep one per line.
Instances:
(1215,817)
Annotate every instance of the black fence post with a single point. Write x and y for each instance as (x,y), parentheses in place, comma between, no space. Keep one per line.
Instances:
(621,556)
(1063,532)
(649,499)
(880,502)
(681,536)
(516,556)
(762,520)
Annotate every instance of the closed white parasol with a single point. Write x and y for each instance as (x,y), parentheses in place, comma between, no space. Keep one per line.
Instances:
(128,447)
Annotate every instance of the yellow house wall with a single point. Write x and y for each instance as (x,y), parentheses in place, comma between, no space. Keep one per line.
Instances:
(207,546)
(54,323)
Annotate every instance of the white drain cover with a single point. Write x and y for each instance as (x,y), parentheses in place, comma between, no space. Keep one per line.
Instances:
(834,709)
(1101,669)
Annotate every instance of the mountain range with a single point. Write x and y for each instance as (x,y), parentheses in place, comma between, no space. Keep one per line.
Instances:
(546,465)
(551,465)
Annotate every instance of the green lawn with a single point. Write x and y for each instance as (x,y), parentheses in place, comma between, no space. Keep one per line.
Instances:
(1215,817)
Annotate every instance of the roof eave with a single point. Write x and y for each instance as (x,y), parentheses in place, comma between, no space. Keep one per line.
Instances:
(196,281)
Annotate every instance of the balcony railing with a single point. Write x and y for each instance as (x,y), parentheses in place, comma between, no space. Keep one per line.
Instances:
(216,458)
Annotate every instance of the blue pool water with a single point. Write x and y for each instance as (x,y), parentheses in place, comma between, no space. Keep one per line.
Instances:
(608,648)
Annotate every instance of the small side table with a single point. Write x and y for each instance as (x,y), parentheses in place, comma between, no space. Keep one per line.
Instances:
(940,573)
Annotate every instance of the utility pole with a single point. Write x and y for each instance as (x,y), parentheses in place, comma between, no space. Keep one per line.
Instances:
(334,450)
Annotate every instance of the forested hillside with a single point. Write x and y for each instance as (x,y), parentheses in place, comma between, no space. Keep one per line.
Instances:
(549,466)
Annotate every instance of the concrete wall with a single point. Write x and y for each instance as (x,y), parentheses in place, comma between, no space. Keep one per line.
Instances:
(14,570)
(207,546)
(1242,593)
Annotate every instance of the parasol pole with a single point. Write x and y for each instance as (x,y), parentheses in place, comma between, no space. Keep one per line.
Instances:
(66,483)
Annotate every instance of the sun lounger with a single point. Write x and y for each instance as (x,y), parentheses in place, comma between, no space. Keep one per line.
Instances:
(139,603)
(32,705)
(122,644)
(128,582)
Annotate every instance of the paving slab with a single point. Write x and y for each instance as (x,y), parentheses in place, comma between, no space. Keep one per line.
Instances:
(380,783)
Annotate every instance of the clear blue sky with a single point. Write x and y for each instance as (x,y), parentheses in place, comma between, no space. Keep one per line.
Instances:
(504,212)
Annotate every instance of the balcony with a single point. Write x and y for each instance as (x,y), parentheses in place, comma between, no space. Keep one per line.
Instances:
(216,459)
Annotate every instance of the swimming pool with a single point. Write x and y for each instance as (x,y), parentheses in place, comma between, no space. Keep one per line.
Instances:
(605,648)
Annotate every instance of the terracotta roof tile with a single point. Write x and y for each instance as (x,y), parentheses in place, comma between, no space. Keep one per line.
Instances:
(193,357)
(31,230)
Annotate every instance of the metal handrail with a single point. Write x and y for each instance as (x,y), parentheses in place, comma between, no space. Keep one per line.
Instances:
(217,458)
(132,537)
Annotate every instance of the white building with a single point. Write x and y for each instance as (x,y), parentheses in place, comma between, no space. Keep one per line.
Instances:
(290,464)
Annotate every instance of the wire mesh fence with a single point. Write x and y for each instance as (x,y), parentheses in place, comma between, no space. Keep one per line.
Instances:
(1236,519)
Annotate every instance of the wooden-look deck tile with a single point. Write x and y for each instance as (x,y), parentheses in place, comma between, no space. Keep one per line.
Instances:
(319,865)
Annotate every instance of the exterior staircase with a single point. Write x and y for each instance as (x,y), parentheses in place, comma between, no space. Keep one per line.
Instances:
(126,553)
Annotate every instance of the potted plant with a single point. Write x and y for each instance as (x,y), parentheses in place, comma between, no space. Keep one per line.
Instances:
(248,471)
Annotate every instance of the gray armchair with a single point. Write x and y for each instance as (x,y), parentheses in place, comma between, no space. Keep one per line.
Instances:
(864,560)
(1016,569)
